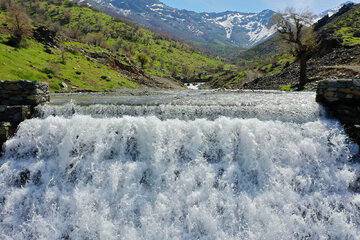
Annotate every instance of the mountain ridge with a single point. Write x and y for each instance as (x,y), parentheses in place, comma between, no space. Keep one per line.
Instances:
(228,28)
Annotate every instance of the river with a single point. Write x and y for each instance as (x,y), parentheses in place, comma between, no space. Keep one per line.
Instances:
(181,165)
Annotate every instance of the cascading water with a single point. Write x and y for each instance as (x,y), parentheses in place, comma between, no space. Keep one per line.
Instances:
(202,166)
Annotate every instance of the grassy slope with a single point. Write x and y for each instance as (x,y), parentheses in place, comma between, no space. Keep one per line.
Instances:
(260,68)
(348,28)
(167,57)
(33,63)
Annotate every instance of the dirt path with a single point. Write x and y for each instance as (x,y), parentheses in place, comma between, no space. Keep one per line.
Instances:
(355,68)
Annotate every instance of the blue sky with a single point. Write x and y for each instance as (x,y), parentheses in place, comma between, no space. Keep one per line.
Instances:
(316,6)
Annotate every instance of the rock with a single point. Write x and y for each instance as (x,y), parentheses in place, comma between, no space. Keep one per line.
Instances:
(356,82)
(14,93)
(63,85)
(342,97)
(45,36)
(356,34)
(107,78)
(18,100)
(48,50)
(14,114)
(7,130)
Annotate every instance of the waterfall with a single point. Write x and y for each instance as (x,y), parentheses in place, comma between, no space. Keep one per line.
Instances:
(218,166)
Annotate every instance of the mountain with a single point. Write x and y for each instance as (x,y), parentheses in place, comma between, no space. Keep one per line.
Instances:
(90,50)
(230,28)
(336,55)
(332,11)
(226,28)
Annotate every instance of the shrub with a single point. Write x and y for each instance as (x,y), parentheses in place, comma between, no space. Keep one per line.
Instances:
(51,68)
(143,59)
(18,23)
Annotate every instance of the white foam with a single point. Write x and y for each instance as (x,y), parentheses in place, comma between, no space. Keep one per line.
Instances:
(144,178)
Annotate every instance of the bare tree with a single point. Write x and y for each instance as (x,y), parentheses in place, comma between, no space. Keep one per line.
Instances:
(18,23)
(295,28)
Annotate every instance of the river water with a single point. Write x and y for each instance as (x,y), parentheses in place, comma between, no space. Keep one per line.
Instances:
(181,165)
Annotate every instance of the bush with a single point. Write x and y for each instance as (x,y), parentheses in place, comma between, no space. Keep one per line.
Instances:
(18,23)
(51,69)
(143,59)
(96,39)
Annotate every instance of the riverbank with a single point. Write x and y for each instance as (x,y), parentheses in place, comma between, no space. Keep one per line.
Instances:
(18,101)
(342,98)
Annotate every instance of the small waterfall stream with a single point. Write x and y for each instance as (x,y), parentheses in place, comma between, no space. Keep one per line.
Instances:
(181,165)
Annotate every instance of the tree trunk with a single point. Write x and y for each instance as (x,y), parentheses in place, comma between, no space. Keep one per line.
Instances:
(303,76)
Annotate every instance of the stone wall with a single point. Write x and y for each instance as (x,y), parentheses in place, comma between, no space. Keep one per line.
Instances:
(342,97)
(17,102)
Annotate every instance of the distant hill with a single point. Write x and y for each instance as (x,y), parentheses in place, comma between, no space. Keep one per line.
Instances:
(87,49)
(214,30)
(229,28)
(336,56)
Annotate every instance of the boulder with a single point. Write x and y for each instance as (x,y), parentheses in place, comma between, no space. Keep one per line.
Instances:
(45,36)
(18,100)
(342,98)
(63,85)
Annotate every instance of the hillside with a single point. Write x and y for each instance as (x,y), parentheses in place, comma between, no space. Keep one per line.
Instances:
(87,49)
(217,31)
(230,28)
(337,55)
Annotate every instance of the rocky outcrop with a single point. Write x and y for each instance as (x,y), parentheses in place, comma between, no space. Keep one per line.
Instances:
(342,97)
(17,102)
(45,36)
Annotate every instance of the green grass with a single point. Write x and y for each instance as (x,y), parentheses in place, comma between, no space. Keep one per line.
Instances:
(118,39)
(287,88)
(267,67)
(348,28)
(347,34)
(165,54)
(33,63)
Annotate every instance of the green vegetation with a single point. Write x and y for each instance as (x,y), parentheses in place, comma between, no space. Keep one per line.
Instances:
(82,32)
(287,88)
(349,28)
(254,69)
(347,34)
(33,63)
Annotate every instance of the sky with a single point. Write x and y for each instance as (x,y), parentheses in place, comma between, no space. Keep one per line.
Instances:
(316,6)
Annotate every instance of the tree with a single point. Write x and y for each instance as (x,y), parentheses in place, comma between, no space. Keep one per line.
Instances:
(295,29)
(96,38)
(143,59)
(4,4)
(18,23)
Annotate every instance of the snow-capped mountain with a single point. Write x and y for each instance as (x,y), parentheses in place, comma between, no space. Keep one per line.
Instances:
(226,28)
(332,11)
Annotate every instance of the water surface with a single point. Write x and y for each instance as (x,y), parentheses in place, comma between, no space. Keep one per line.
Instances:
(181,165)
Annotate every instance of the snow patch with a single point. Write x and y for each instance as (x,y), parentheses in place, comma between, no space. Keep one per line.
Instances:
(124,12)
(193,29)
(227,22)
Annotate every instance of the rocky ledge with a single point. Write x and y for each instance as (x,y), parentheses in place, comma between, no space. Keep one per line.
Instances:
(17,102)
(342,97)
